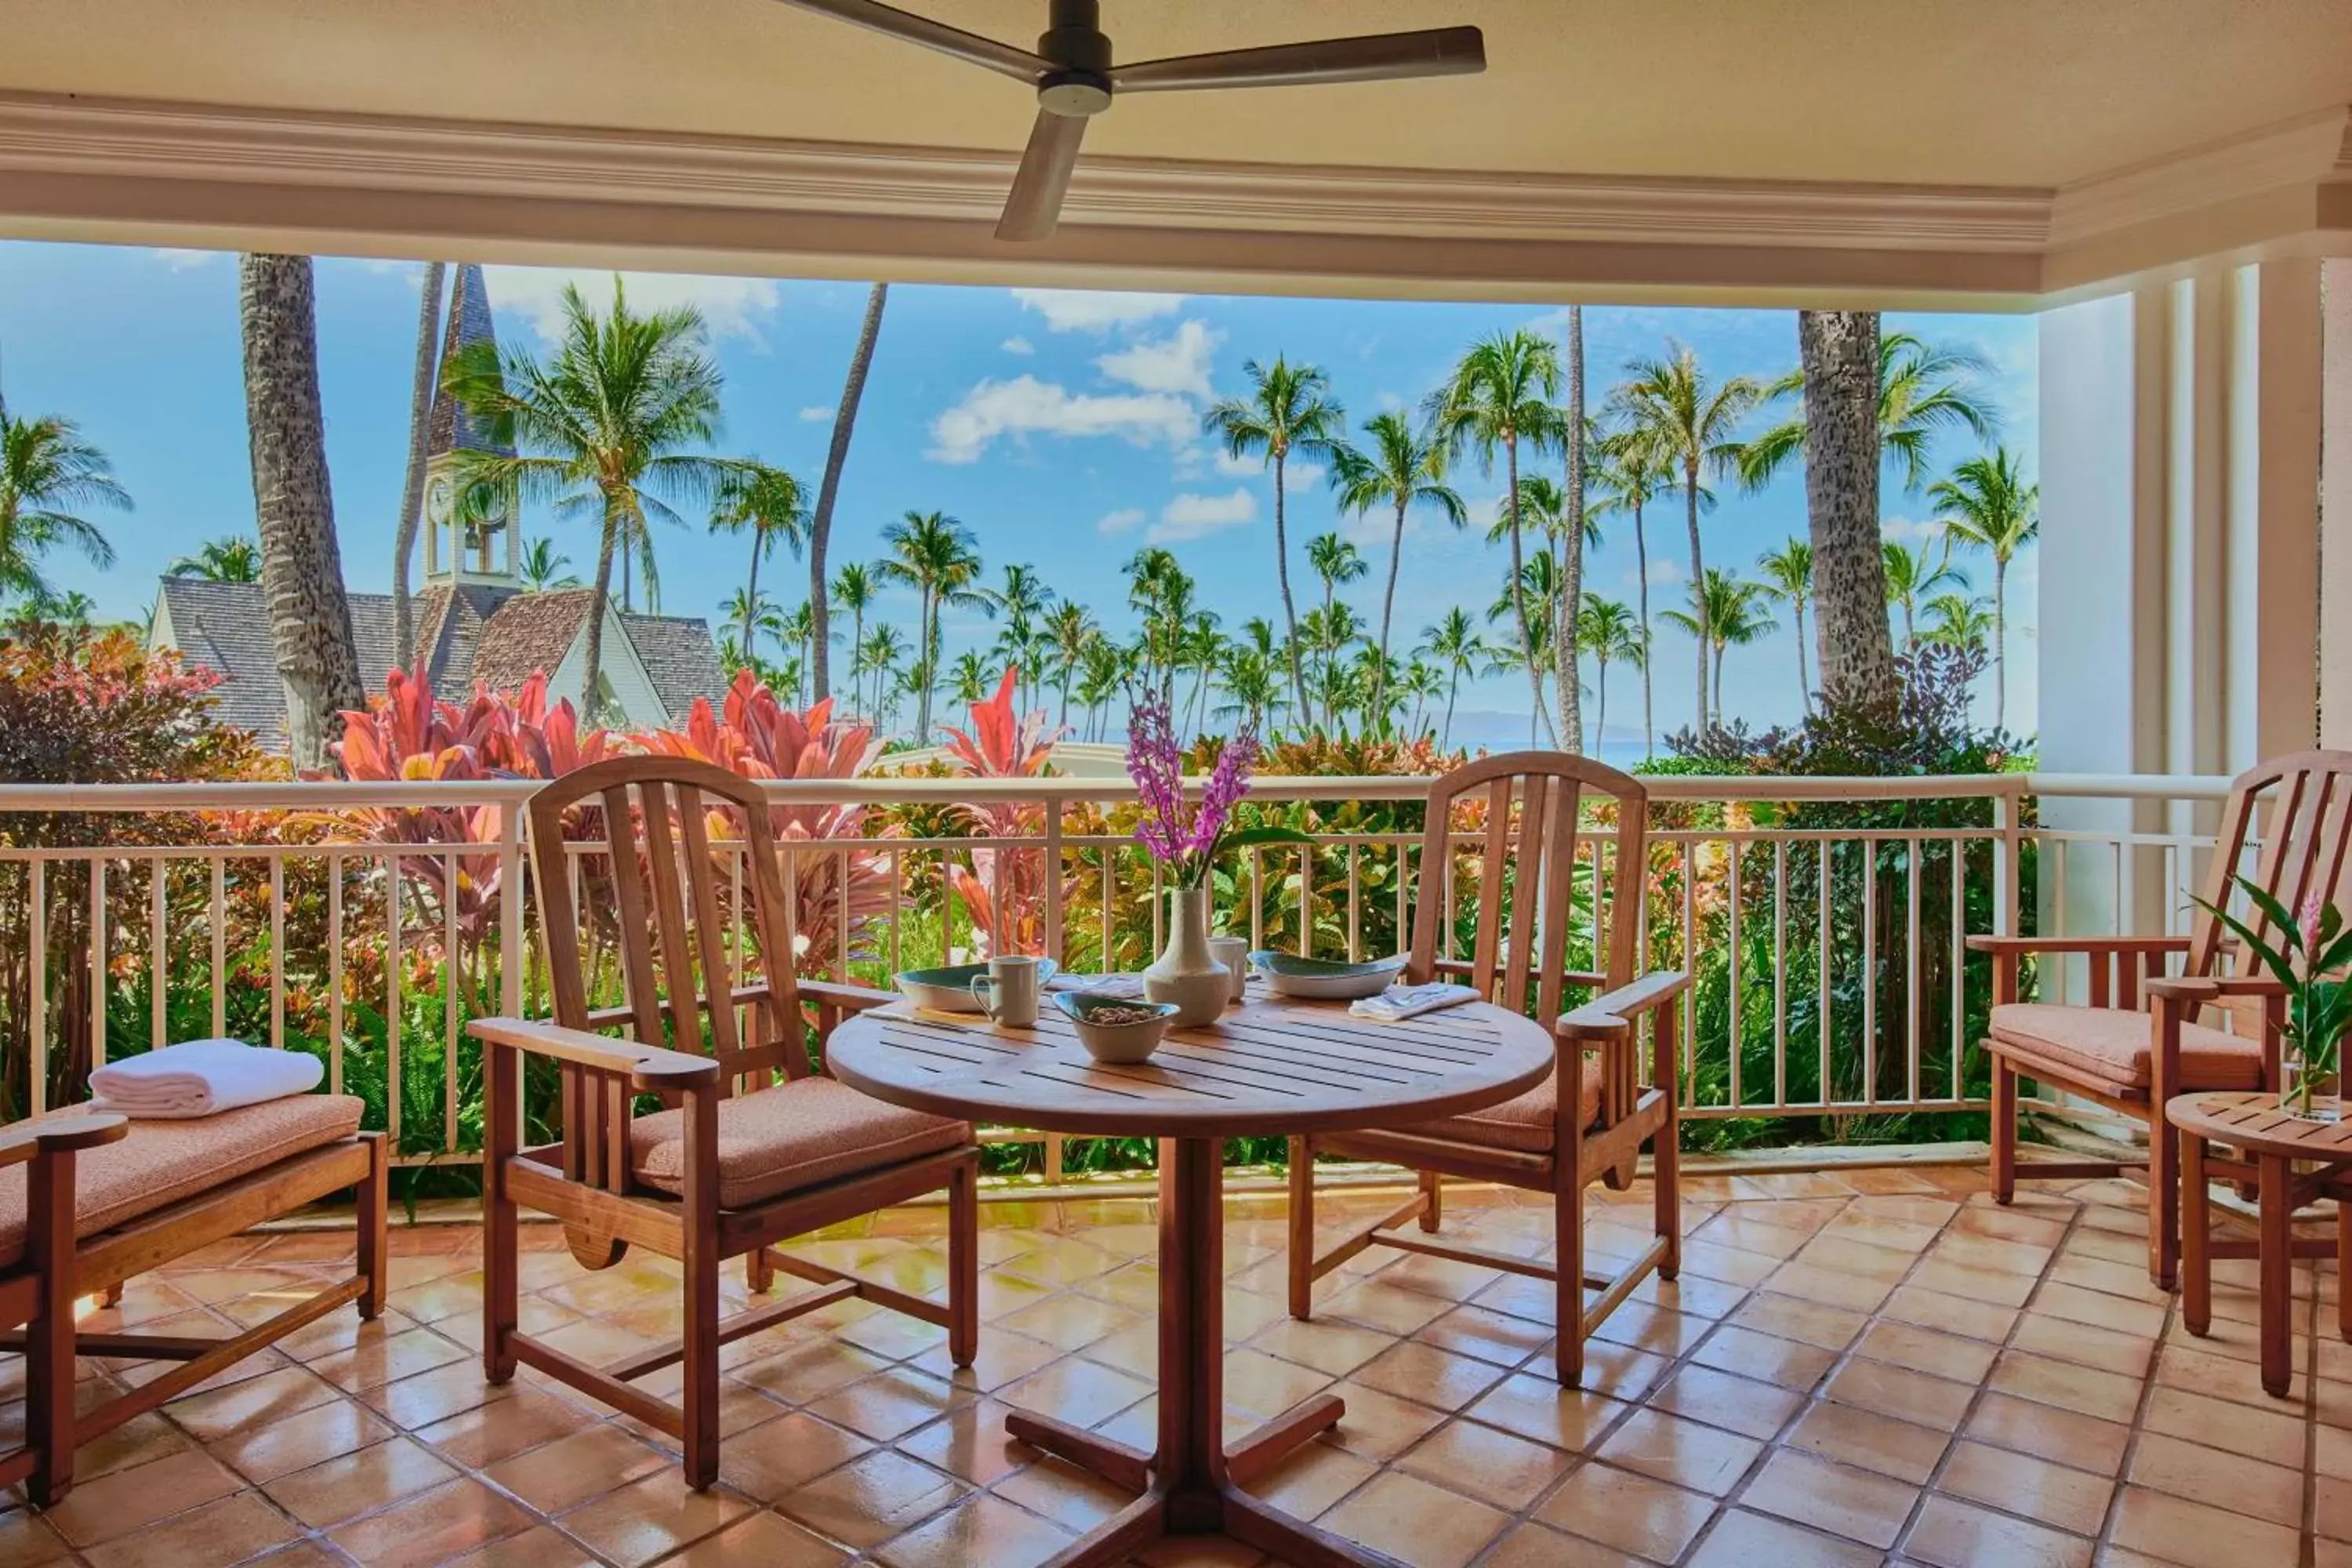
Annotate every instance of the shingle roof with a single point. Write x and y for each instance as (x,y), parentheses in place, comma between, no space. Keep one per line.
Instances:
(493,635)
(450,427)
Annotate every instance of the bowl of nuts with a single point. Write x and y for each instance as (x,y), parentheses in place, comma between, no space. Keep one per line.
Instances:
(1116,1028)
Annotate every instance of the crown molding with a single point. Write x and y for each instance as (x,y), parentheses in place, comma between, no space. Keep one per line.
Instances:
(100,139)
(2309,151)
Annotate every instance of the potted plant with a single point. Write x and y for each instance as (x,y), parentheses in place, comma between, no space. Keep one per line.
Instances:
(2309,959)
(1186,838)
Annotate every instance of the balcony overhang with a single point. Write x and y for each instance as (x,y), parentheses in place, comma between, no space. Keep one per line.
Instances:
(79,168)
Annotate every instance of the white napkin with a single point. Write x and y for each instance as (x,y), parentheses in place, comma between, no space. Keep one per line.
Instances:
(198,1078)
(1122,985)
(1399,1002)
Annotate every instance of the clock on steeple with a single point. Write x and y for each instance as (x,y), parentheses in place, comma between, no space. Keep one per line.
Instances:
(469,536)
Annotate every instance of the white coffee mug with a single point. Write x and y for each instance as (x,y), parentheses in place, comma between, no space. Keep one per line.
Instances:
(1233,951)
(1008,992)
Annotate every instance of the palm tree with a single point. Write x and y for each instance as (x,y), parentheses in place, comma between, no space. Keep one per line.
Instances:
(854,590)
(412,488)
(1788,580)
(769,504)
(1956,620)
(934,554)
(1610,635)
(970,678)
(1289,412)
(1024,598)
(878,656)
(1335,561)
(1400,468)
(1454,643)
(1104,672)
(1988,502)
(1576,440)
(1069,631)
(1911,577)
(544,570)
(1687,423)
(836,455)
(602,429)
(48,474)
(753,618)
(1725,616)
(301,561)
(1924,391)
(231,557)
(1633,473)
(1422,681)
(1498,399)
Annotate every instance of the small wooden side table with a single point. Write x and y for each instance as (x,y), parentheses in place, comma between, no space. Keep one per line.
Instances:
(2291,1160)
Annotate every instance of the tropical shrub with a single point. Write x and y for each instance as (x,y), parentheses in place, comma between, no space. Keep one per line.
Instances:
(1003,890)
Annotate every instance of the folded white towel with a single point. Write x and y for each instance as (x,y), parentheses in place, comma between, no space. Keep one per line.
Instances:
(198,1078)
(1127,986)
(1399,1002)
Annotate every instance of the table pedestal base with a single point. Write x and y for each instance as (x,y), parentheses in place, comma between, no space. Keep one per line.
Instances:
(1191,1485)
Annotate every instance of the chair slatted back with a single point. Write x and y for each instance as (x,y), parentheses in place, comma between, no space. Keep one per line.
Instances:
(2300,808)
(684,947)
(1528,860)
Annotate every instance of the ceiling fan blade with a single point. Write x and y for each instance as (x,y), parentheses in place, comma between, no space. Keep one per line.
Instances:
(1381,56)
(1002,59)
(1035,204)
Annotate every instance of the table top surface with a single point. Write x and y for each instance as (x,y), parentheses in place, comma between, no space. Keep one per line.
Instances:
(1272,1066)
(2253,1120)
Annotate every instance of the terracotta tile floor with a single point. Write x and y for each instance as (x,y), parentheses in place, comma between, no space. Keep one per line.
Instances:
(1872,1367)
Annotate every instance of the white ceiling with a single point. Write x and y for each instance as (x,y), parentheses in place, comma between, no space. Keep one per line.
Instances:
(1985,92)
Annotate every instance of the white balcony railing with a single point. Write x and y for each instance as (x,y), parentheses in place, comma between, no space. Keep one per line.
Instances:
(1835,981)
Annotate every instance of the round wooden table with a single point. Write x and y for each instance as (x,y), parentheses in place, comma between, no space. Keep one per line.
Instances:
(1269,1066)
(2272,1148)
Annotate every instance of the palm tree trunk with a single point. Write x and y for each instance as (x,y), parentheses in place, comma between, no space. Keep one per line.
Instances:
(301,563)
(1804,682)
(1388,607)
(1520,588)
(1567,657)
(1717,692)
(1839,354)
(1698,580)
(930,661)
(1999,640)
(1600,704)
(1642,593)
(845,420)
(412,488)
(592,678)
(752,588)
(1282,575)
(1445,740)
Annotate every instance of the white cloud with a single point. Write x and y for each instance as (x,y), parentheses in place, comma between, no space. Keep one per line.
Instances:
(1233,467)
(1298,475)
(816,412)
(180,261)
(1905,529)
(1178,362)
(1018,346)
(1665,572)
(730,307)
(1388,402)
(1190,516)
(1120,521)
(1026,405)
(1095,310)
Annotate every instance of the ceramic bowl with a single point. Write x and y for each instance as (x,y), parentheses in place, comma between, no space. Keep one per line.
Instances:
(1131,1042)
(949,990)
(1321,979)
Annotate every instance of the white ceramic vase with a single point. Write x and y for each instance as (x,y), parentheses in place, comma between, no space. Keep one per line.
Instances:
(1186,971)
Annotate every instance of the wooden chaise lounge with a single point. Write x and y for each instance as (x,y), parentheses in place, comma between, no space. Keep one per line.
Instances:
(88,1201)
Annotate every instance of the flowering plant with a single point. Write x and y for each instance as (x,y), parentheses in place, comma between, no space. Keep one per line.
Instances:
(2309,961)
(1184,838)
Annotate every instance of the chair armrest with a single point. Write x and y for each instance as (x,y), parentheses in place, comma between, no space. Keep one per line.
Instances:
(59,1134)
(1607,1017)
(2213,987)
(849,998)
(2096,945)
(648,1068)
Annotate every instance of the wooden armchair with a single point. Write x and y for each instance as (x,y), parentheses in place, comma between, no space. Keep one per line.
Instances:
(1589,1122)
(2140,1041)
(89,1200)
(759,1145)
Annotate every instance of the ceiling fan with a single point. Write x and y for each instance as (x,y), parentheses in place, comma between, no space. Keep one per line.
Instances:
(1075,78)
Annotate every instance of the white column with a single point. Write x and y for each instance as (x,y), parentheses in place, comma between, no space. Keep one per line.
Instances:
(2179,599)
(2336,506)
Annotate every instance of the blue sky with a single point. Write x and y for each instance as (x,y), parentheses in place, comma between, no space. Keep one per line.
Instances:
(1062,429)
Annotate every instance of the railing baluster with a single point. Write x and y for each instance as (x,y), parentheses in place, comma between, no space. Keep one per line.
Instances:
(1781,972)
(1911,998)
(449,1026)
(391,998)
(97,961)
(1732,902)
(1870,971)
(334,972)
(36,960)
(1823,1081)
(219,912)
(277,953)
(159,957)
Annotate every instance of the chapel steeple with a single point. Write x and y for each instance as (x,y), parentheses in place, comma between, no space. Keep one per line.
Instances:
(477,542)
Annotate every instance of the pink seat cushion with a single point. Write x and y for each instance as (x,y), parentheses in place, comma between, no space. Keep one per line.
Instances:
(2112,1047)
(1526,1124)
(791,1136)
(157,1163)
